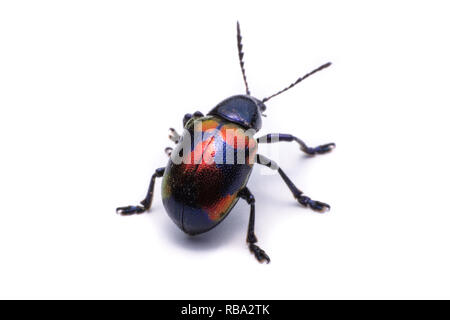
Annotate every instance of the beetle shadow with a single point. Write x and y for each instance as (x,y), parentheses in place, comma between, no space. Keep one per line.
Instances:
(232,227)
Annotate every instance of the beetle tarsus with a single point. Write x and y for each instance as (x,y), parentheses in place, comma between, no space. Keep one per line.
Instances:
(324,148)
(130,210)
(147,202)
(259,253)
(313,204)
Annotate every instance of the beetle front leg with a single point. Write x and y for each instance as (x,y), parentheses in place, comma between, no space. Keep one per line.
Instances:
(168,151)
(174,135)
(147,202)
(188,116)
(259,253)
(279,137)
(298,194)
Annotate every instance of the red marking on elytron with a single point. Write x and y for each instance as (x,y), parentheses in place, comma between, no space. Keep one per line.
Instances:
(236,137)
(201,158)
(217,209)
(208,125)
(203,152)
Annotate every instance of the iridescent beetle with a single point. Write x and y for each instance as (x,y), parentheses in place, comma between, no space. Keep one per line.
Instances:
(201,187)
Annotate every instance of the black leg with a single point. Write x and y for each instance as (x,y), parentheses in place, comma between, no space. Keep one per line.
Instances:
(168,151)
(188,116)
(278,137)
(174,136)
(147,202)
(298,194)
(251,237)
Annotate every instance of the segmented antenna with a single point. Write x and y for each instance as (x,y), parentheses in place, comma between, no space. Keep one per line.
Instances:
(326,65)
(241,57)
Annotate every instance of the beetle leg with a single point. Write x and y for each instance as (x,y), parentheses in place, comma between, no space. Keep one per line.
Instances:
(298,194)
(174,136)
(259,253)
(278,137)
(186,118)
(147,202)
(168,151)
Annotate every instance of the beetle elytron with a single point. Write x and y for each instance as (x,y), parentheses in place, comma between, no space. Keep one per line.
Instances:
(198,194)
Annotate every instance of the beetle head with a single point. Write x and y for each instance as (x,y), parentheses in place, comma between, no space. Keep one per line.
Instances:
(244,110)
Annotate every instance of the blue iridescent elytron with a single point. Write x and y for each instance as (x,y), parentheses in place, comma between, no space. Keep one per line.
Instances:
(199,193)
(209,168)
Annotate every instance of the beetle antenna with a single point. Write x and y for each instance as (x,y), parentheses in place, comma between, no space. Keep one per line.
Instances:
(241,57)
(326,65)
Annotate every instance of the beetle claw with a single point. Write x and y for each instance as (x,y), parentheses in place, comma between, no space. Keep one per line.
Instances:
(324,148)
(319,206)
(259,253)
(129,210)
(314,204)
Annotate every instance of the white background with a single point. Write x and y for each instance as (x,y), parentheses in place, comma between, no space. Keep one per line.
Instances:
(88,90)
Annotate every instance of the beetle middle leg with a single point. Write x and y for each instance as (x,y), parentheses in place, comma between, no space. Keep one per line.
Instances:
(259,253)
(279,137)
(298,194)
(147,202)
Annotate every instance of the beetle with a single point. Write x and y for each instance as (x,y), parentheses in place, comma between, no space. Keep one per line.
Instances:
(199,188)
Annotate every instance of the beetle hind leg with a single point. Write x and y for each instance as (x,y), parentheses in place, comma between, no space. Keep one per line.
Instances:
(259,253)
(147,202)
